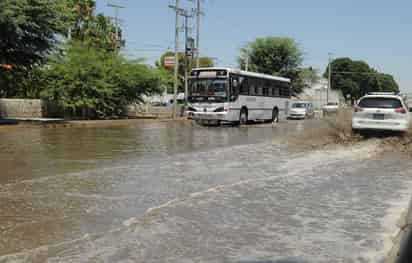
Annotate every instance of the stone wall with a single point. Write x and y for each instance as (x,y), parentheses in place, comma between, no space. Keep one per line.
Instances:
(21,108)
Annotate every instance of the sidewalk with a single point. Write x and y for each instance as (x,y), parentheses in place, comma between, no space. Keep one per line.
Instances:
(56,123)
(37,121)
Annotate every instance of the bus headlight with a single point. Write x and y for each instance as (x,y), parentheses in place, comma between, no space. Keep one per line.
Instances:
(220,109)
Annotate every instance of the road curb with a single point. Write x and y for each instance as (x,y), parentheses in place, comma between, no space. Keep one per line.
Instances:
(401,251)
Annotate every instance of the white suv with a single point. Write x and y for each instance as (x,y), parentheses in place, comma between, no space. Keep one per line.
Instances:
(381,111)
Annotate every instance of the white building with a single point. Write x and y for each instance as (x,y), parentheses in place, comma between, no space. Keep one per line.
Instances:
(318,94)
(409,99)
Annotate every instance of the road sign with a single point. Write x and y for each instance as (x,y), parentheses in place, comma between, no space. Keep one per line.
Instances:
(6,66)
(169,62)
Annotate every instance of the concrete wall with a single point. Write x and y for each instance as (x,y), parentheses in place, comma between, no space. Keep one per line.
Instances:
(317,94)
(21,108)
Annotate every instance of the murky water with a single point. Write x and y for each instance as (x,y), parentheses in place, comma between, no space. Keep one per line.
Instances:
(174,192)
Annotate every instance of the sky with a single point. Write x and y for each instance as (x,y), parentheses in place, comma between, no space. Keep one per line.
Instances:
(377,31)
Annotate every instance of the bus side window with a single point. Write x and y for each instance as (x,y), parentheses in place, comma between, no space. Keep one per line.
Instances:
(234,89)
(285,90)
(266,88)
(260,86)
(276,89)
(244,86)
(265,91)
(270,91)
(252,87)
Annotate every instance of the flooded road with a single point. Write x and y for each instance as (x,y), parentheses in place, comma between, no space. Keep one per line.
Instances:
(175,192)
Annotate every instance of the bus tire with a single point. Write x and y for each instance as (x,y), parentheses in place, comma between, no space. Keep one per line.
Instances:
(275,115)
(243,117)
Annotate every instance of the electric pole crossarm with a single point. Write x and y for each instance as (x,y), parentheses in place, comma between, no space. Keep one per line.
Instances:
(198,12)
(116,20)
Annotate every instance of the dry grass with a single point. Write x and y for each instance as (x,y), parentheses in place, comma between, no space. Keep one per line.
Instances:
(399,143)
(332,130)
(339,131)
(340,127)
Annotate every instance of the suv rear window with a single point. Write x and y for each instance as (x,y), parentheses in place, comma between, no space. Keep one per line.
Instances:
(385,103)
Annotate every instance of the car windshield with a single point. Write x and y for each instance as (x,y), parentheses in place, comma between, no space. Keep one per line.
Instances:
(211,90)
(299,105)
(385,103)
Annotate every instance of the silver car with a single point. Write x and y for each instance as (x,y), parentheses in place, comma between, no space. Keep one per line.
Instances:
(301,110)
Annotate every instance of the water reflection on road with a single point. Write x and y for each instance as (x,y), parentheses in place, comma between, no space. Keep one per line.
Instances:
(174,192)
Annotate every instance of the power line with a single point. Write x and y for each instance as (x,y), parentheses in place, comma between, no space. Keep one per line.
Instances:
(354,72)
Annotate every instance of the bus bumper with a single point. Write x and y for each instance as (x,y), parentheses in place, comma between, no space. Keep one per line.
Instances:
(208,116)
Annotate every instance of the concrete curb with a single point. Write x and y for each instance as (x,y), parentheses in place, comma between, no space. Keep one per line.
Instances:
(401,252)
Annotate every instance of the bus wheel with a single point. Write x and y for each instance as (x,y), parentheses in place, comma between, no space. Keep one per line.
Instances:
(243,117)
(275,116)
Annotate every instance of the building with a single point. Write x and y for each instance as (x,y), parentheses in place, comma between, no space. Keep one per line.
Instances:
(317,93)
(409,99)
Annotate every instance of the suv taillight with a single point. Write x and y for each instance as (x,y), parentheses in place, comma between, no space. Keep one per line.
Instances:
(400,110)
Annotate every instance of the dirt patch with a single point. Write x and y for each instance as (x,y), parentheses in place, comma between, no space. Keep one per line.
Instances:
(337,130)
(332,130)
(399,143)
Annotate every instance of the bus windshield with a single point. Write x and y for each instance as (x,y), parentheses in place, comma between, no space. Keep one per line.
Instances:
(208,90)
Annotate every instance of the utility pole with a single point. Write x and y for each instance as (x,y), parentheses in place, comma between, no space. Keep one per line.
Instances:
(329,78)
(116,19)
(186,15)
(176,76)
(247,62)
(198,14)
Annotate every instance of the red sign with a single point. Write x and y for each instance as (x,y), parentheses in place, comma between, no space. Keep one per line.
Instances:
(6,66)
(169,62)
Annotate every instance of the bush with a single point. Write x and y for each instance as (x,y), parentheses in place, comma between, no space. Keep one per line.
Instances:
(93,83)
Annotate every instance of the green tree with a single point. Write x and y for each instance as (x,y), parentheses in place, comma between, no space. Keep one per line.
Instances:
(28,30)
(280,56)
(309,75)
(356,78)
(92,30)
(28,33)
(92,83)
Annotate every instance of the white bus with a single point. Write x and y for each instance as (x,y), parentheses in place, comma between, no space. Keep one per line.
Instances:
(230,95)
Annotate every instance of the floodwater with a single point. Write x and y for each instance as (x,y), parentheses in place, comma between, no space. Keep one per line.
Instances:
(177,192)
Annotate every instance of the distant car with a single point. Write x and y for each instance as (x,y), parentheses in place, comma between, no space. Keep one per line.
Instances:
(331,107)
(301,110)
(381,111)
